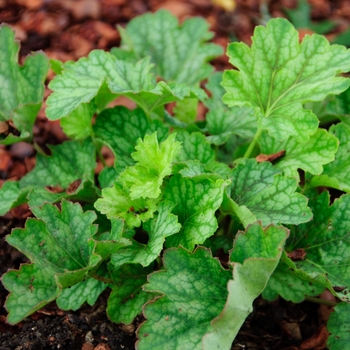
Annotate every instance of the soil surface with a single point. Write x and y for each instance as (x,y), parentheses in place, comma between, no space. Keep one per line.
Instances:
(68,30)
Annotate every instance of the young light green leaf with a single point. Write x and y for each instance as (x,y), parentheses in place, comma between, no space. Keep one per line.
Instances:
(186,110)
(80,82)
(194,292)
(58,262)
(85,291)
(180,52)
(310,156)
(254,257)
(278,74)
(116,203)
(258,192)
(127,297)
(158,228)
(289,286)
(195,201)
(336,174)
(120,128)
(21,87)
(326,242)
(154,163)
(223,121)
(194,147)
(78,124)
(338,327)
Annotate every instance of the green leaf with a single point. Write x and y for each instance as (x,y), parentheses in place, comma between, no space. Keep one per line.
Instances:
(116,203)
(223,121)
(310,156)
(161,226)
(194,292)
(81,81)
(278,74)
(110,242)
(121,128)
(127,297)
(289,286)
(194,147)
(70,167)
(85,291)
(336,174)
(31,288)
(338,326)
(154,163)
(195,201)
(258,192)
(21,87)
(84,191)
(58,262)
(70,161)
(9,193)
(186,110)
(254,257)
(326,241)
(179,52)
(78,124)
(332,109)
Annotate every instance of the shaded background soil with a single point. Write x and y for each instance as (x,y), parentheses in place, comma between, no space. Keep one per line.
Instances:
(68,30)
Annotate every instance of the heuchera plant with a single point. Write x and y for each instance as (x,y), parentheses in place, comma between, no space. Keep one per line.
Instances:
(253,180)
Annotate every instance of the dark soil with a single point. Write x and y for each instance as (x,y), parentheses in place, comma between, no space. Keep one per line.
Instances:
(67,30)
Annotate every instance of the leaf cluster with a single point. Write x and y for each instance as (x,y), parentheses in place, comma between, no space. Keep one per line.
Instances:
(254,180)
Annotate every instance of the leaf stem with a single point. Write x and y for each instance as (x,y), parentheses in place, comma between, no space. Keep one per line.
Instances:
(321,301)
(100,156)
(101,278)
(39,149)
(250,149)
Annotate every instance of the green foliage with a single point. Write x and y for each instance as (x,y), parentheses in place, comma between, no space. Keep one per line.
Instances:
(139,228)
(21,87)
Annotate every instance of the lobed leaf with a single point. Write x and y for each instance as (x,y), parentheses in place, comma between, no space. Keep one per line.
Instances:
(85,291)
(310,156)
(195,202)
(338,326)
(153,164)
(254,257)
(161,226)
(116,203)
(222,121)
(180,52)
(81,81)
(193,288)
(259,192)
(31,288)
(69,172)
(194,147)
(21,87)
(121,128)
(336,173)
(289,286)
(326,243)
(277,75)
(57,261)
(127,297)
